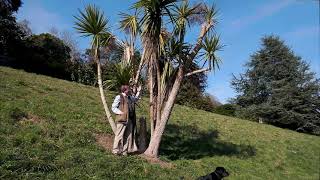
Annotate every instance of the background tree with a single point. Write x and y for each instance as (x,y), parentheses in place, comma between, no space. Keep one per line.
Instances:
(81,66)
(24,25)
(45,54)
(278,88)
(192,92)
(11,33)
(225,109)
(7,7)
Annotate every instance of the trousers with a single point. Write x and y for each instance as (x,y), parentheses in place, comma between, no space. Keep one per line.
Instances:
(124,139)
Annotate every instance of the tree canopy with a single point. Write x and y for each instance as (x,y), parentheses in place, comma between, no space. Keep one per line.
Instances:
(45,54)
(11,33)
(279,88)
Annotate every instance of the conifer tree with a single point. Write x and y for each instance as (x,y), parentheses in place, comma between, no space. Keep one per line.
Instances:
(279,88)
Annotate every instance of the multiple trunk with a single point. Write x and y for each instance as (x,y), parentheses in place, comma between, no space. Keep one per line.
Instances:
(160,104)
(163,109)
(151,98)
(155,140)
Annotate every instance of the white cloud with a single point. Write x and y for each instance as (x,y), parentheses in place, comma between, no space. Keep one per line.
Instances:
(260,13)
(41,20)
(303,32)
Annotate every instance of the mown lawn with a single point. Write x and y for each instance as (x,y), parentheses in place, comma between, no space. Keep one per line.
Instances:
(47,129)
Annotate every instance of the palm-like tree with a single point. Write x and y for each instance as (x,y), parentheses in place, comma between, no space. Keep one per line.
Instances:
(153,12)
(180,15)
(92,23)
(176,55)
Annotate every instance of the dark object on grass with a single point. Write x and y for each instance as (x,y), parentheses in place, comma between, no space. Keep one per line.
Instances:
(17,114)
(218,174)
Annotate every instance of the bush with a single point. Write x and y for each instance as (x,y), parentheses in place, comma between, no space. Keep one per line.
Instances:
(45,54)
(226,109)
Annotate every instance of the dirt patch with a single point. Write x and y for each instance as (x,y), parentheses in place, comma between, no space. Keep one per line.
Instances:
(34,118)
(22,117)
(157,161)
(30,118)
(106,141)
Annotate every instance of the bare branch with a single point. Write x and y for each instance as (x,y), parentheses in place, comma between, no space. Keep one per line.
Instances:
(204,30)
(136,79)
(198,71)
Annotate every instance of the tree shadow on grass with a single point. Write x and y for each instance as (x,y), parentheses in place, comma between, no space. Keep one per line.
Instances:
(188,142)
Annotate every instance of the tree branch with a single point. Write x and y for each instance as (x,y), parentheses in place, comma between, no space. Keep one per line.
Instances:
(136,79)
(204,30)
(197,71)
(200,70)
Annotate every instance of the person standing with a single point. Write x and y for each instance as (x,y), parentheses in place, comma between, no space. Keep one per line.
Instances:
(124,108)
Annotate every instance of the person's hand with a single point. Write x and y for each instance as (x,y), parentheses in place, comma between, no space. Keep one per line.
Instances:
(121,113)
(139,88)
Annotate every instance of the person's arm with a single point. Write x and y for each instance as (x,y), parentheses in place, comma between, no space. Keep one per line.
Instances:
(115,106)
(136,97)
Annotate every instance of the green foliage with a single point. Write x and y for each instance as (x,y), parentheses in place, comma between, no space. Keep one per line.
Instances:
(279,88)
(83,69)
(190,95)
(42,53)
(83,72)
(61,145)
(226,109)
(91,21)
(183,16)
(7,7)
(154,11)
(11,34)
(130,23)
(45,54)
(192,92)
(211,44)
(121,74)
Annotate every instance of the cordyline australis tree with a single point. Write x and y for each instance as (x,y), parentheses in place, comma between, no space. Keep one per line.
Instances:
(92,23)
(162,27)
(169,57)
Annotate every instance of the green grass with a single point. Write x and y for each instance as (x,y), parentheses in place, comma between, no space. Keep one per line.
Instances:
(61,145)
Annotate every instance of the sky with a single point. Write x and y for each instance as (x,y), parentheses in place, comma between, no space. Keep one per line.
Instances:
(241,25)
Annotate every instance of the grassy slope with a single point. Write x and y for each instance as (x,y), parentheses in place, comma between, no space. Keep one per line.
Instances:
(62,143)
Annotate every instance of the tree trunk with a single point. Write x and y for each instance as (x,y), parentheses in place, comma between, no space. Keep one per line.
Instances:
(158,104)
(156,136)
(103,99)
(142,141)
(204,30)
(151,103)
(154,144)
(132,60)
(136,79)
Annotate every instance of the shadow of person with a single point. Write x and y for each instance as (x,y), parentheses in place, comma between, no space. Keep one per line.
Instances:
(188,142)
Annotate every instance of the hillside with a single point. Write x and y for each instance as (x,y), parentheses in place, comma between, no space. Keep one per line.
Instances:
(48,127)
